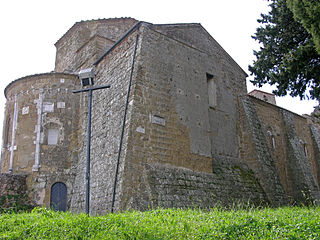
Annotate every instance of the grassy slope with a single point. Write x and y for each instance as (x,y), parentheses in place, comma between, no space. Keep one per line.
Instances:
(282,223)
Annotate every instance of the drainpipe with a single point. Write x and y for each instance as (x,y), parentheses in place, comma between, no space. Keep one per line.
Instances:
(13,133)
(36,165)
(124,119)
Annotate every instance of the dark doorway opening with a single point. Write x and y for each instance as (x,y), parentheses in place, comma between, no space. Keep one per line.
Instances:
(58,200)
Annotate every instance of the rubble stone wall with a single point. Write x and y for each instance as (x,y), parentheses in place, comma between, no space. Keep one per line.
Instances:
(262,162)
(292,146)
(13,192)
(108,107)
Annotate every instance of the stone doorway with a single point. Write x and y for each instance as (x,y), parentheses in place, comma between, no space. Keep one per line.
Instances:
(58,200)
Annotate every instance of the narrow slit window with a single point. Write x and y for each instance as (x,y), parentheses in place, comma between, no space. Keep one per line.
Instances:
(212,91)
(273,140)
(304,146)
(305,150)
(6,132)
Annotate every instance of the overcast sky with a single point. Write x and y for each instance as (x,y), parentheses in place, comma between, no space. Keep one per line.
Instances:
(29,29)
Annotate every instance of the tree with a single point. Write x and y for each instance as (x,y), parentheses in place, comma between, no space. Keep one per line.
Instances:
(287,57)
(308,13)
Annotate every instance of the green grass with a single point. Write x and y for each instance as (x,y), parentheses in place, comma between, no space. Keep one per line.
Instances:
(281,223)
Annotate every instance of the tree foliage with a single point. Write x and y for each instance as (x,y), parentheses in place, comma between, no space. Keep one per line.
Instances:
(287,57)
(308,13)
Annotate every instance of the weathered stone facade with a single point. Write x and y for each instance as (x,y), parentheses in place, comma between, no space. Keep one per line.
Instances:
(192,136)
(40,131)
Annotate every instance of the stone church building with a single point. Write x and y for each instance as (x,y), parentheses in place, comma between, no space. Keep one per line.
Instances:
(176,122)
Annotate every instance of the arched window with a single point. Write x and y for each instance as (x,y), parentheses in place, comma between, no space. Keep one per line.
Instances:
(58,199)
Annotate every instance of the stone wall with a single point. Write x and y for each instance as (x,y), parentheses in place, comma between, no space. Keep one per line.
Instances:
(107,118)
(228,185)
(302,176)
(86,41)
(44,144)
(189,141)
(267,97)
(14,193)
(260,158)
(288,140)
(193,53)
(174,127)
(195,36)
(315,132)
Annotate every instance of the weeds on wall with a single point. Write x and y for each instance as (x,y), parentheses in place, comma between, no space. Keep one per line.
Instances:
(15,203)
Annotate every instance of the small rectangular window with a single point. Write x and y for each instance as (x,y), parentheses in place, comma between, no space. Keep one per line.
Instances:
(305,149)
(25,110)
(53,136)
(212,91)
(48,107)
(61,105)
